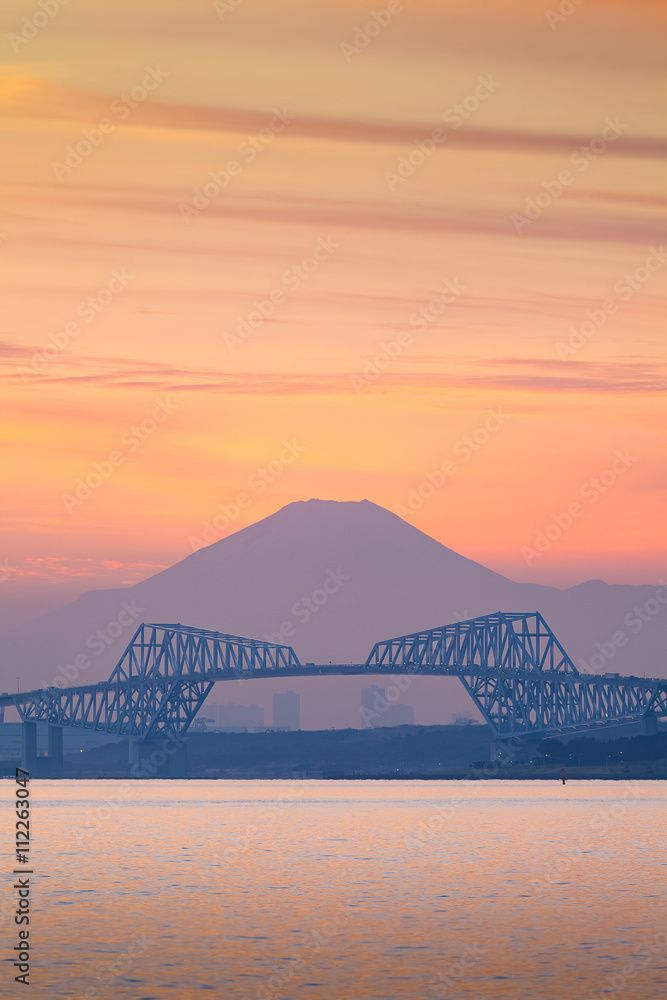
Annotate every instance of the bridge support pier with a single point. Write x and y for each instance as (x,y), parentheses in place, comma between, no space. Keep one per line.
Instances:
(132,751)
(56,751)
(649,724)
(29,746)
(178,762)
(153,761)
(146,759)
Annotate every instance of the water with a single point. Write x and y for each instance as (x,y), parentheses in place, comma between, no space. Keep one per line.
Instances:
(323,890)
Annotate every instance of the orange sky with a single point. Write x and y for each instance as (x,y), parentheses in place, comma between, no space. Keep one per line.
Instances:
(338,214)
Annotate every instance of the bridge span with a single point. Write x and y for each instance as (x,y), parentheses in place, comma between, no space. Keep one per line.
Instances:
(511,664)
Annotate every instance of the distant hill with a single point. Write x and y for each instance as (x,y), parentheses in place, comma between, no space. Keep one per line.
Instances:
(336,577)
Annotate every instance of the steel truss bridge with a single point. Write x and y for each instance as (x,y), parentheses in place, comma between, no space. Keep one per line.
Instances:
(512,666)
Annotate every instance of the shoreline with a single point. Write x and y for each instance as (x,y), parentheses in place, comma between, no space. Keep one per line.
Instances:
(504,774)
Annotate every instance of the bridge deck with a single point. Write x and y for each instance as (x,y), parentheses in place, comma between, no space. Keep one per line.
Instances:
(511,664)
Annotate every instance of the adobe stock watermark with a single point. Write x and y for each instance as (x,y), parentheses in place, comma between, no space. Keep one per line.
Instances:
(429,312)
(220,180)
(31,26)
(598,826)
(224,7)
(438,819)
(292,279)
(275,985)
(131,440)
(399,686)
(434,824)
(121,108)
(441,985)
(624,288)
(454,116)
(591,491)
(266,817)
(304,609)
(581,158)
(148,766)
(7,571)
(364,34)
(565,10)
(258,482)
(382,702)
(651,951)
(634,620)
(88,310)
(97,642)
(109,972)
(465,448)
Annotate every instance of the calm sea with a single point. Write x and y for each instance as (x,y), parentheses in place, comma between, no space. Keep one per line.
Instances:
(326,890)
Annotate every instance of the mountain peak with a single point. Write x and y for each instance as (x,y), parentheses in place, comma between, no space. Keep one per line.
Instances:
(316,507)
(329,578)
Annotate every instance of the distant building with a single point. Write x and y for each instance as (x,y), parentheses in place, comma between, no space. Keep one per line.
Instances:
(204,724)
(372,700)
(463,720)
(287,711)
(377,710)
(241,717)
(398,715)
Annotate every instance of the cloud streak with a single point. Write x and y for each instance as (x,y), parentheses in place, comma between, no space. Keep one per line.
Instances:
(35,98)
(621,375)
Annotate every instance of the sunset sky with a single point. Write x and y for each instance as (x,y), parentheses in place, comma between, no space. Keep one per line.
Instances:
(340,214)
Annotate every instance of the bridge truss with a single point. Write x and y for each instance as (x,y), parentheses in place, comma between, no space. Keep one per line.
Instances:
(520,677)
(511,664)
(160,683)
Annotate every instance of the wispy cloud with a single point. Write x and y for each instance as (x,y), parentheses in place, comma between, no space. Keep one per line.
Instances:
(623,374)
(72,567)
(28,97)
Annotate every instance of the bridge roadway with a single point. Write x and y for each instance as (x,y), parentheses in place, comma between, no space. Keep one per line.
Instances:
(511,664)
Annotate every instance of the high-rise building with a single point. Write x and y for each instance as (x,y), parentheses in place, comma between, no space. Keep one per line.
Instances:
(377,710)
(398,715)
(241,717)
(287,710)
(373,699)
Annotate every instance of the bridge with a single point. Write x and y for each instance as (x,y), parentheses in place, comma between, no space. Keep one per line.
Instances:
(511,664)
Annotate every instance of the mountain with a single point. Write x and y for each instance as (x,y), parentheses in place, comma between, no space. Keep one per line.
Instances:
(336,577)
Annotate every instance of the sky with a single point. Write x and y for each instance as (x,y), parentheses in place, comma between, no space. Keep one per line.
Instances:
(256,252)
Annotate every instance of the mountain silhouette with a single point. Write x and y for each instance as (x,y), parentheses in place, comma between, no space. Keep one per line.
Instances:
(331,578)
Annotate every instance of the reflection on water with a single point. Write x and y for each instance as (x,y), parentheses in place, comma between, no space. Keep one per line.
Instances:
(323,890)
